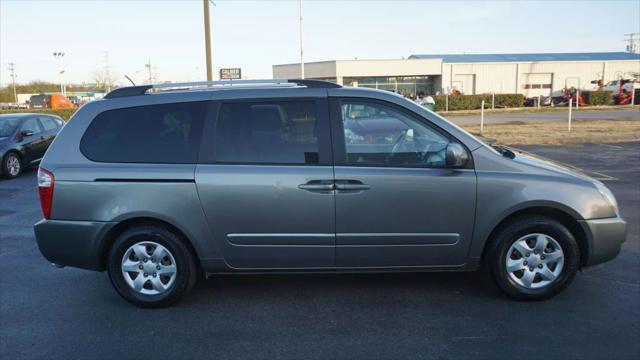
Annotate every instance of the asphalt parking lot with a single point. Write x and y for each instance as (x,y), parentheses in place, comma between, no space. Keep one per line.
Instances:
(69,313)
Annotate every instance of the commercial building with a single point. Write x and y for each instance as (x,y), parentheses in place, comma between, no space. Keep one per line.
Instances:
(527,74)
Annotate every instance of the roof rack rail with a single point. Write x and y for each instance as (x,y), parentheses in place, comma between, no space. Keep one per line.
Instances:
(142,89)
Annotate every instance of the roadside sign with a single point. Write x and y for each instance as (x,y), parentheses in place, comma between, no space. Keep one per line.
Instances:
(230,74)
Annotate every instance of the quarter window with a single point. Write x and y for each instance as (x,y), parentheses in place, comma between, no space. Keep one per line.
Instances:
(167,133)
(376,134)
(267,133)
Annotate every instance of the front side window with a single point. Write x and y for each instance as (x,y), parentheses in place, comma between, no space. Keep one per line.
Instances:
(166,133)
(376,134)
(31,125)
(267,133)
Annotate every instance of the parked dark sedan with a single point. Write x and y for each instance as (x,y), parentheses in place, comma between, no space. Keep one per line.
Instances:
(24,138)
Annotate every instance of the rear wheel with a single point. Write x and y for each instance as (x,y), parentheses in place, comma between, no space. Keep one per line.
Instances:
(11,165)
(151,266)
(533,258)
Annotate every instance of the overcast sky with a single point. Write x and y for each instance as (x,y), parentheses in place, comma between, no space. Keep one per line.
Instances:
(254,35)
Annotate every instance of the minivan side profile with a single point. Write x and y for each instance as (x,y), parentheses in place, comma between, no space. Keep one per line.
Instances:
(158,187)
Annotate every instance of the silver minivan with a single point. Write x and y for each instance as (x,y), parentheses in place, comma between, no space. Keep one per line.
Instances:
(161,184)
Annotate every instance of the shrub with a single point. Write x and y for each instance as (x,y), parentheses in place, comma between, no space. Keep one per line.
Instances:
(63,113)
(472,102)
(598,97)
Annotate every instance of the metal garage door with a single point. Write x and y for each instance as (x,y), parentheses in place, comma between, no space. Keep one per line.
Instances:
(535,84)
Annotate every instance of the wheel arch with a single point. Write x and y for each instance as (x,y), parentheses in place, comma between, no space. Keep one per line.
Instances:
(113,233)
(567,218)
(12,151)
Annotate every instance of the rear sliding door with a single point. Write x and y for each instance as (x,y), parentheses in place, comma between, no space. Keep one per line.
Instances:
(265,182)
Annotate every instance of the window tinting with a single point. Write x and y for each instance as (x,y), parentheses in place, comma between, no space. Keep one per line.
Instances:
(8,125)
(379,135)
(167,133)
(32,125)
(48,123)
(267,133)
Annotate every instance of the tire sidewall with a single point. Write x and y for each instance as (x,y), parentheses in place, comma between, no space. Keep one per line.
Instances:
(524,227)
(184,265)
(5,167)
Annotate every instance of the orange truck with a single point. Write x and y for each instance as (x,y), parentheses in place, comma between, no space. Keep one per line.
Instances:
(53,101)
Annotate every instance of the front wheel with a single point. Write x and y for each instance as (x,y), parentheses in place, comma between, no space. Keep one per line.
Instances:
(533,258)
(11,165)
(150,266)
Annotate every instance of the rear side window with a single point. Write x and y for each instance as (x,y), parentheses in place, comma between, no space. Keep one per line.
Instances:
(268,133)
(167,133)
(48,123)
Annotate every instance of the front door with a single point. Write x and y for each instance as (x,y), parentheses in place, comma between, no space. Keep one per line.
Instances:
(397,204)
(34,144)
(268,190)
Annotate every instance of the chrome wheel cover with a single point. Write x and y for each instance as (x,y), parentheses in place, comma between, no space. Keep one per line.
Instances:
(149,268)
(534,261)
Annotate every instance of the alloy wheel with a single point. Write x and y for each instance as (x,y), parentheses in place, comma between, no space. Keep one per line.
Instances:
(13,165)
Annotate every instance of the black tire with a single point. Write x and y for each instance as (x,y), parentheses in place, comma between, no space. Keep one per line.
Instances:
(12,156)
(496,256)
(186,273)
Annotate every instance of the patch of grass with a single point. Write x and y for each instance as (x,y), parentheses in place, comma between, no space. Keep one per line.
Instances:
(556,133)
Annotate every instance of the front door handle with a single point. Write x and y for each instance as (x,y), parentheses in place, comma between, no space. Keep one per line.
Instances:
(317,185)
(351,185)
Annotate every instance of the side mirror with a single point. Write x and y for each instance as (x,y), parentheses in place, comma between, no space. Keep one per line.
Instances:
(457,156)
(26,133)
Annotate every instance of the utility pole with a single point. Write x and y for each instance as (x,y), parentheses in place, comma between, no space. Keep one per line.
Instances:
(207,39)
(148,66)
(13,80)
(301,50)
(631,46)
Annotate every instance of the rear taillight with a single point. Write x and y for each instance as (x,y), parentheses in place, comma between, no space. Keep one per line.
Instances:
(45,188)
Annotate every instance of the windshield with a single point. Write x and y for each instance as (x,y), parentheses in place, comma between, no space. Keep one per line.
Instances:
(8,125)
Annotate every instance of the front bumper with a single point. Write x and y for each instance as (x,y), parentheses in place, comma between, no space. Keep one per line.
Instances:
(72,243)
(604,239)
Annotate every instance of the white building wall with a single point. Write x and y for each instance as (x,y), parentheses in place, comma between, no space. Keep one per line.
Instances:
(400,67)
(475,78)
(512,77)
(315,70)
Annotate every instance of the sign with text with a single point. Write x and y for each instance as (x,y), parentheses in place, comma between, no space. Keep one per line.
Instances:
(230,74)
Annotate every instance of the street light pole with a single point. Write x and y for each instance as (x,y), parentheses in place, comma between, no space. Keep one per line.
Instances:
(58,56)
(301,50)
(207,40)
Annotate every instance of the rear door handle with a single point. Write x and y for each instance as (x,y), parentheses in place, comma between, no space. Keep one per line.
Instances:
(317,185)
(351,185)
